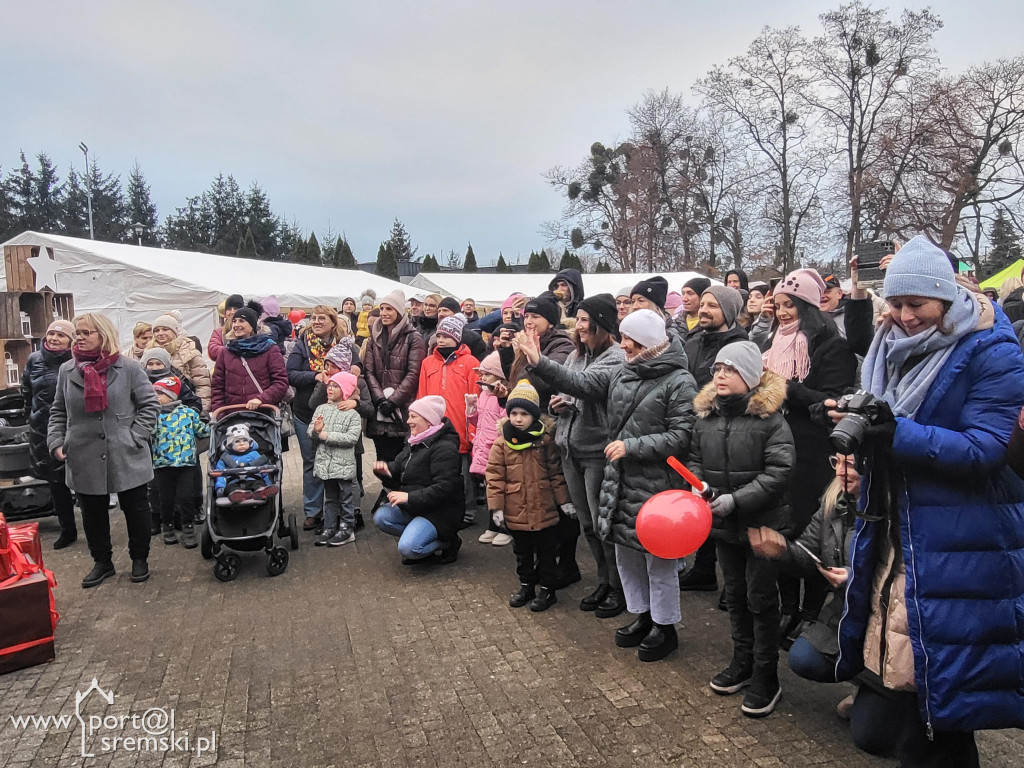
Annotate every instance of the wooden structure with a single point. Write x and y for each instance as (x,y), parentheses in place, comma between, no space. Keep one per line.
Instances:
(25,313)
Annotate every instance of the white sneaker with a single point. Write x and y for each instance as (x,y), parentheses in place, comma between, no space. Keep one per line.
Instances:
(487,537)
(501,540)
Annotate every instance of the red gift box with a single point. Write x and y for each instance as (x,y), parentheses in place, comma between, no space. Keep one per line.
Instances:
(26,535)
(6,566)
(26,633)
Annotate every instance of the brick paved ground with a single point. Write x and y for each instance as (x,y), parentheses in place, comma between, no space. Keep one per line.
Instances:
(352,659)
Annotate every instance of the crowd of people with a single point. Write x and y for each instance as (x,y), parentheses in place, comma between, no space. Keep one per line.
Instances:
(863,459)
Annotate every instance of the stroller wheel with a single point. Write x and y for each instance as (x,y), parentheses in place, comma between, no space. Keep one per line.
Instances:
(206,543)
(293,531)
(277,561)
(226,567)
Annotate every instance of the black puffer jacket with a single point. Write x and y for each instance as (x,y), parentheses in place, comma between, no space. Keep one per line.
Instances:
(744,446)
(828,537)
(702,349)
(280,329)
(38,388)
(1013,305)
(650,408)
(431,473)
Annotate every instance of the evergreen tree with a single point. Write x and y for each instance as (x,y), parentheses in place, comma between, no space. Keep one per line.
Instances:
(387,265)
(47,197)
(21,188)
(247,246)
(538,263)
(298,253)
(266,228)
(110,209)
(469,263)
(313,254)
(141,208)
(570,261)
(401,245)
(343,257)
(1005,247)
(75,216)
(501,267)
(185,229)
(430,264)
(8,222)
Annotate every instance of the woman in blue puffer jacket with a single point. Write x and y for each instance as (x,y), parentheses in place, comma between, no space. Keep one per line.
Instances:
(935,592)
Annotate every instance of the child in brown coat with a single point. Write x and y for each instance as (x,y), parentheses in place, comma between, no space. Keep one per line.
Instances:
(525,490)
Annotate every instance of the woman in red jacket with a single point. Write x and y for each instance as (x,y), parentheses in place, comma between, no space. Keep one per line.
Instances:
(250,371)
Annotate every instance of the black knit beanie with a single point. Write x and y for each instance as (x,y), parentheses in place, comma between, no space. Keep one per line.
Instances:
(654,289)
(234,301)
(546,305)
(602,310)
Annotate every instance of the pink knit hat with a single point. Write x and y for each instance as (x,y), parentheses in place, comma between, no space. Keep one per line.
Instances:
(491,364)
(430,408)
(805,284)
(673,301)
(507,303)
(346,382)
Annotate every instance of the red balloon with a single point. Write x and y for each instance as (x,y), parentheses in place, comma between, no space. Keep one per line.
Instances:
(673,524)
(296,316)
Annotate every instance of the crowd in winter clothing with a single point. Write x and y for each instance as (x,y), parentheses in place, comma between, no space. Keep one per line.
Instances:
(886,551)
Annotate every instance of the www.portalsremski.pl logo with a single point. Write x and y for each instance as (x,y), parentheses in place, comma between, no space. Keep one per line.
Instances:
(102,733)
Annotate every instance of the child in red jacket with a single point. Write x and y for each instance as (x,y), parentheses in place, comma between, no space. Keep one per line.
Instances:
(450,371)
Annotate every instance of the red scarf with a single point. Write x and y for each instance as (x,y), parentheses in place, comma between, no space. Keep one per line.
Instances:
(93,366)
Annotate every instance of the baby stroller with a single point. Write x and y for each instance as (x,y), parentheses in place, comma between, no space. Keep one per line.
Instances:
(249,524)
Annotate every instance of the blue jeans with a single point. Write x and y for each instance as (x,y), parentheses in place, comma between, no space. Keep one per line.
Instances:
(312,487)
(810,663)
(417,536)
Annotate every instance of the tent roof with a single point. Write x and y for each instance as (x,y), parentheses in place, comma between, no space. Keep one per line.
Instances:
(491,288)
(996,281)
(295,285)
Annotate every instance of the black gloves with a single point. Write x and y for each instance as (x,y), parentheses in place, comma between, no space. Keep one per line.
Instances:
(387,408)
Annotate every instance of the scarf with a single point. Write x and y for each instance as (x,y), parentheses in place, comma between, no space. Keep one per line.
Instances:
(93,367)
(788,355)
(251,346)
(446,353)
(318,349)
(648,353)
(429,432)
(520,439)
(883,373)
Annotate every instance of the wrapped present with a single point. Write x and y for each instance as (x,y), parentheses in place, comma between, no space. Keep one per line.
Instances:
(6,565)
(26,535)
(26,633)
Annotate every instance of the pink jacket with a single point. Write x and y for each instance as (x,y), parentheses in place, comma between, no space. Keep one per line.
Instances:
(488,413)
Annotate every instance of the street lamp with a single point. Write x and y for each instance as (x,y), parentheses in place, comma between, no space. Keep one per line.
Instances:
(139,229)
(88,186)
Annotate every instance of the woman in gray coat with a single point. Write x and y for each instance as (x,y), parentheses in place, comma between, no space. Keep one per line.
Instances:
(101,424)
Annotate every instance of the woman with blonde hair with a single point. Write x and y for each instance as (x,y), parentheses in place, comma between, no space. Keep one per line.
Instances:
(305,368)
(142,335)
(184,356)
(100,425)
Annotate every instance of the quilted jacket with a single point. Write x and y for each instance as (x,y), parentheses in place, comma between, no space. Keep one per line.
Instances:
(175,436)
(335,453)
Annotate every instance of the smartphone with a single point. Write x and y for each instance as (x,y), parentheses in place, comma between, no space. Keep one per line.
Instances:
(869,257)
(813,556)
(772,283)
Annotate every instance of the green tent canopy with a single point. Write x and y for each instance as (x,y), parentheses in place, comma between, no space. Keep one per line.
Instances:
(997,279)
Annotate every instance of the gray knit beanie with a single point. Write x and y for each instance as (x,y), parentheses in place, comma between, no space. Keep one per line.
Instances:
(157,353)
(729,299)
(921,269)
(745,357)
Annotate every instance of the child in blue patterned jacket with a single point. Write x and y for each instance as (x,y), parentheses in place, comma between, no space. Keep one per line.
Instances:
(174,457)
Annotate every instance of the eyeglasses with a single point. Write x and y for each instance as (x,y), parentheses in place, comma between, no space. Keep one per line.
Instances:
(430,305)
(727,371)
(85,333)
(320,318)
(835,461)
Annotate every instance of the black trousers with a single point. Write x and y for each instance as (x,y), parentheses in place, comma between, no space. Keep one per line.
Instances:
(388,448)
(752,594)
(96,521)
(568,531)
(177,494)
(535,556)
(946,749)
(63,502)
(704,562)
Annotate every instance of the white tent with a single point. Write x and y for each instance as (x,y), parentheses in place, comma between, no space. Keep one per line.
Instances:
(129,283)
(490,289)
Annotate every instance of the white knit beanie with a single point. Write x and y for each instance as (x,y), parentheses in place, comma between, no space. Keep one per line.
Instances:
(394,299)
(168,321)
(645,327)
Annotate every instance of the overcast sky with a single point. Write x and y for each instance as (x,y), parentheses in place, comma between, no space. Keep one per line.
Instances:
(445,115)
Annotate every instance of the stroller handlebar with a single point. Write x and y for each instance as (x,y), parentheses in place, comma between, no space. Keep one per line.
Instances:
(272,410)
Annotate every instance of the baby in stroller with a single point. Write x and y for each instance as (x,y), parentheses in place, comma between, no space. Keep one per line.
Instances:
(240,450)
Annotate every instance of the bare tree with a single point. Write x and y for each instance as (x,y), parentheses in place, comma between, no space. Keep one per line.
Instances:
(764,94)
(865,67)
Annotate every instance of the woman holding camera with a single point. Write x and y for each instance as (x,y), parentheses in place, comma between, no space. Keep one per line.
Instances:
(936,582)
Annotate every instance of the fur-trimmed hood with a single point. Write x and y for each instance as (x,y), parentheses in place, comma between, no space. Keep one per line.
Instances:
(764,399)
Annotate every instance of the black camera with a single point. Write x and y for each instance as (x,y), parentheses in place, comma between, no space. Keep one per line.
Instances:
(862,409)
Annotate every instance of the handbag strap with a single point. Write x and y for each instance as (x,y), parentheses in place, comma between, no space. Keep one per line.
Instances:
(251,376)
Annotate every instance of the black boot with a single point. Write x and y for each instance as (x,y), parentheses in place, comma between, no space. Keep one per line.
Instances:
(545,599)
(450,553)
(659,643)
(697,581)
(763,694)
(735,677)
(66,539)
(525,594)
(188,535)
(140,570)
(789,623)
(360,523)
(99,572)
(595,598)
(634,633)
(612,605)
(170,537)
